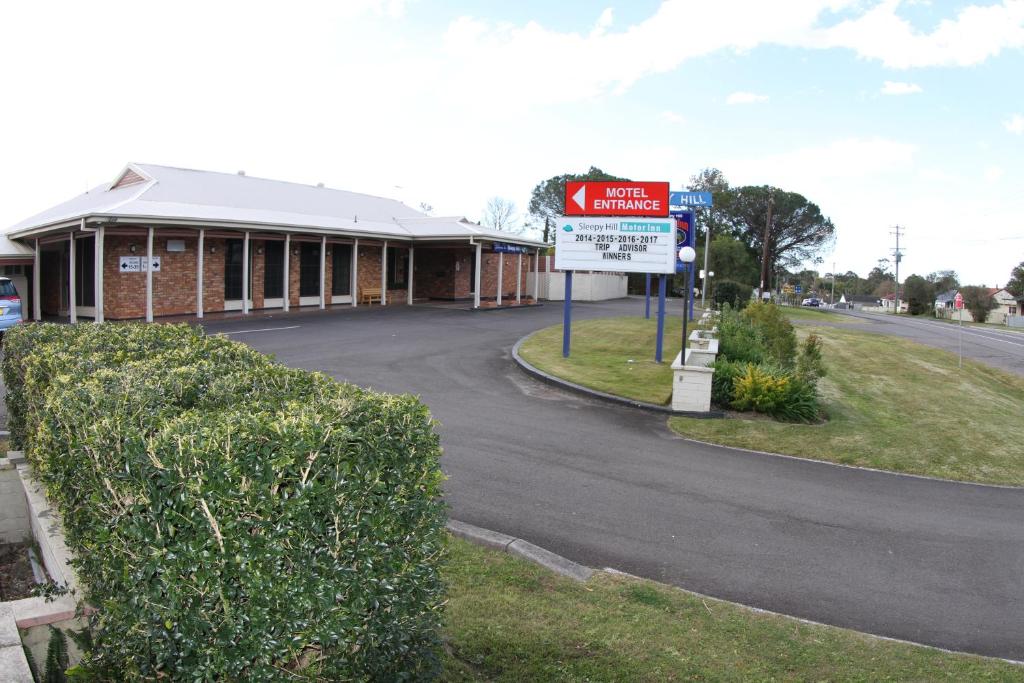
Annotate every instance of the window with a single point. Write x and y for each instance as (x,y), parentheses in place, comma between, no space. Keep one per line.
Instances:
(341,268)
(398,268)
(232,270)
(1013,310)
(273,270)
(85,272)
(309,269)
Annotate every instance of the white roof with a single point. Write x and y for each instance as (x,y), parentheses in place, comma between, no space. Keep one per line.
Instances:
(11,249)
(205,197)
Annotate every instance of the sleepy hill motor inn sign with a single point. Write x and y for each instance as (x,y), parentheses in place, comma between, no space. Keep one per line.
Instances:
(616,198)
(619,245)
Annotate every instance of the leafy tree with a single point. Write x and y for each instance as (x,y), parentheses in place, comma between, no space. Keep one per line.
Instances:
(879,274)
(547,202)
(797,231)
(978,301)
(919,294)
(499,213)
(1016,284)
(944,280)
(733,260)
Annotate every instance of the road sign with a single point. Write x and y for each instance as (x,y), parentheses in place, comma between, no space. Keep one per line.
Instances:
(614,198)
(799,288)
(958,301)
(618,245)
(694,199)
(129,264)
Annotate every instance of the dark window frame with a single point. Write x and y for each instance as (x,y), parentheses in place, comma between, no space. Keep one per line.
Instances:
(393,261)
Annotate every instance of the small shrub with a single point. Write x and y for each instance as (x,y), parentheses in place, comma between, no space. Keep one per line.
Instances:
(777,393)
(722,380)
(809,364)
(739,340)
(776,332)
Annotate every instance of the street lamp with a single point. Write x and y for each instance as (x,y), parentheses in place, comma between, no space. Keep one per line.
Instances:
(687,256)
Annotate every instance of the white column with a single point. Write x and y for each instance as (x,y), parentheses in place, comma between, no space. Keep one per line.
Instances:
(72,309)
(501,265)
(37,304)
(200,255)
(384,274)
(245,273)
(519,278)
(408,295)
(149,275)
(287,271)
(536,276)
(354,289)
(323,271)
(476,276)
(98,275)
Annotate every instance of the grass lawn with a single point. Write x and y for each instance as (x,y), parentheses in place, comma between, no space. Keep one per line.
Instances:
(508,620)
(891,404)
(896,405)
(615,355)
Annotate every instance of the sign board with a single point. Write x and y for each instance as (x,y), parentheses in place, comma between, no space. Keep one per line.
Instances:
(799,289)
(686,233)
(137,264)
(958,301)
(615,198)
(617,245)
(503,248)
(129,264)
(694,199)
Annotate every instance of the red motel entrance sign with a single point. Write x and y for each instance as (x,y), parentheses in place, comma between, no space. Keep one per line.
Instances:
(616,198)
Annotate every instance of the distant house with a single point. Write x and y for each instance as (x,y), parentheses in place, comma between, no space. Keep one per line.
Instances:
(1007,305)
(889,304)
(859,301)
(945,306)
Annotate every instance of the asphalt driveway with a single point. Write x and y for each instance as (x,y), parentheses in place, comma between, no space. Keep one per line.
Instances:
(929,561)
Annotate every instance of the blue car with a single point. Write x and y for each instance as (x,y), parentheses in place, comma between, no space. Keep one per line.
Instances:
(10,305)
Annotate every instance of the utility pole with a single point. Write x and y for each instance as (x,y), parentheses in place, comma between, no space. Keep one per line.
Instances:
(832,298)
(898,256)
(707,242)
(764,249)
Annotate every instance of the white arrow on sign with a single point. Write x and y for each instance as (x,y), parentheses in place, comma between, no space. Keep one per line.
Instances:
(581,197)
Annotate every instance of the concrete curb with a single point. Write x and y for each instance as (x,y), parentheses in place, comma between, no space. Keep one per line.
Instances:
(537,373)
(520,548)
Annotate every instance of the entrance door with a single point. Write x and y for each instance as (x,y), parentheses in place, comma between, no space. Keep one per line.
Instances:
(309,274)
(341,273)
(273,274)
(233,275)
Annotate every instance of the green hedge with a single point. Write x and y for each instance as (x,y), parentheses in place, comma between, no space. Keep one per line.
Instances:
(232,519)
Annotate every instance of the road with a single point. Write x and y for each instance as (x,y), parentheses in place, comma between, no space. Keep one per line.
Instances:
(935,562)
(1003,349)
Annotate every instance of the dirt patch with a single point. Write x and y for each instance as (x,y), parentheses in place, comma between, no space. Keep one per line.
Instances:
(16,578)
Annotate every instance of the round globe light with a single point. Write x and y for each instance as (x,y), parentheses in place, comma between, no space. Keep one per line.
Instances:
(687,254)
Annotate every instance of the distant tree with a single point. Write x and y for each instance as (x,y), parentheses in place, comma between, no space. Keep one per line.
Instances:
(797,231)
(877,276)
(1015,285)
(884,289)
(944,280)
(499,214)
(547,202)
(733,261)
(978,301)
(919,294)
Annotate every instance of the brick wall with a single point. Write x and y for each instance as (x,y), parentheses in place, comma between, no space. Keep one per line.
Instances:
(489,276)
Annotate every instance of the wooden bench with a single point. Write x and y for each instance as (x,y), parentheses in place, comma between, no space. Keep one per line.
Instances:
(369,295)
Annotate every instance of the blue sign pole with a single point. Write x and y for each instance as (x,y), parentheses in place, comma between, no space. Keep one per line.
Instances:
(662,281)
(647,296)
(567,315)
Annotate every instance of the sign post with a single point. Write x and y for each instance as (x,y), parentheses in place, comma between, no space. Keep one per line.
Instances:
(660,340)
(618,227)
(958,301)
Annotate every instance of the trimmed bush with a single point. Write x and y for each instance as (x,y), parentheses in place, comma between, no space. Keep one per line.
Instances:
(728,293)
(232,519)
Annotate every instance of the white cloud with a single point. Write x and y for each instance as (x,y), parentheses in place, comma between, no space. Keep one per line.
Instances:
(745,98)
(1015,124)
(898,88)
(673,117)
(993,174)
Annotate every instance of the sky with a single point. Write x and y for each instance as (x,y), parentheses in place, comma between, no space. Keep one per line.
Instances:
(882,112)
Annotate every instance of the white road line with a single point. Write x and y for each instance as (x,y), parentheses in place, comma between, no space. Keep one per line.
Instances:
(263,329)
(945,327)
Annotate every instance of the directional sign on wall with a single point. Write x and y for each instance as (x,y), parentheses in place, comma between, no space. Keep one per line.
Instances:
(129,264)
(617,245)
(615,198)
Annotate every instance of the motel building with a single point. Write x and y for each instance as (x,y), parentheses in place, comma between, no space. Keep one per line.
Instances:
(211,237)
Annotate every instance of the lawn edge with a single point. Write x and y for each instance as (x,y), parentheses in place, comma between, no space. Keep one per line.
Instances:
(557,381)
